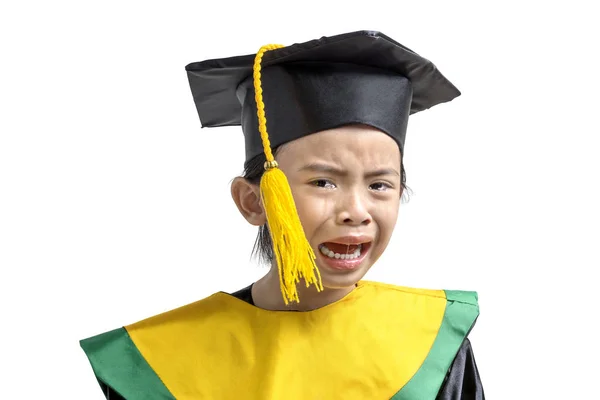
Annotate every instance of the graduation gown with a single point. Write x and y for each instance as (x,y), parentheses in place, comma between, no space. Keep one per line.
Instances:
(379,342)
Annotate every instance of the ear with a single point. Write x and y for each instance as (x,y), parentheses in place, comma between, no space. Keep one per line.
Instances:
(247,199)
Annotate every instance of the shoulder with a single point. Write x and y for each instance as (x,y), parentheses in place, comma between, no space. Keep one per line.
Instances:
(121,359)
(446,315)
(466,297)
(453,308)
(193,313)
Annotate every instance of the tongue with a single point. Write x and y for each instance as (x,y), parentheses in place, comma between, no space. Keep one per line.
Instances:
(341,248)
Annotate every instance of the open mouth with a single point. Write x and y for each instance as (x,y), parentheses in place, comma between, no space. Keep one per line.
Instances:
(344,251)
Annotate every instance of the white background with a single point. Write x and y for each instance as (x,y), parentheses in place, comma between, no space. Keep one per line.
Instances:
(115,205)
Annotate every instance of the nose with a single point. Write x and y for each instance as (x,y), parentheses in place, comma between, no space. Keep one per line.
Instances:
(353,209)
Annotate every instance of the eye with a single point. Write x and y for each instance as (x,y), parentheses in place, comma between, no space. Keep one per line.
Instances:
(324,183)
(380,186)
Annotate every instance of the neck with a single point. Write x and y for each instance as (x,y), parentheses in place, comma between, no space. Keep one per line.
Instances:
(266,294)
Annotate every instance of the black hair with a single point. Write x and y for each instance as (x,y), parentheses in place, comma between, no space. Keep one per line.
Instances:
(253,172)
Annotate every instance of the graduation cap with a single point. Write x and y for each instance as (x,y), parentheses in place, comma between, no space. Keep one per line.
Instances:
(361,77)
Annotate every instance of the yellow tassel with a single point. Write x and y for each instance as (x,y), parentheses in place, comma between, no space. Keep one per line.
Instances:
(295,258)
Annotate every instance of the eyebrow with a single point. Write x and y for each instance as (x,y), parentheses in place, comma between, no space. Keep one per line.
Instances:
(330,169)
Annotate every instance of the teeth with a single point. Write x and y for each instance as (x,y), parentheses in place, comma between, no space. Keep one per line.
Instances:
(331,254)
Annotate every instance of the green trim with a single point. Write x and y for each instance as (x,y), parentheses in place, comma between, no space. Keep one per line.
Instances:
(462,296)
(118,364)
(460,315)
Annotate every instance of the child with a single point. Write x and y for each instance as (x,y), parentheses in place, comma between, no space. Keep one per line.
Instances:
(324,121)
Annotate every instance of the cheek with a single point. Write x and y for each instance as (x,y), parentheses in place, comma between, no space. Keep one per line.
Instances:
(386,217)
(312,210)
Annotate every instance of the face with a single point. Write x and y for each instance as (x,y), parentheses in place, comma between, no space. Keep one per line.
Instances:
(346,185)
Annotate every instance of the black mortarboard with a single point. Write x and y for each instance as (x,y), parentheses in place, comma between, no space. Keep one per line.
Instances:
(358,77)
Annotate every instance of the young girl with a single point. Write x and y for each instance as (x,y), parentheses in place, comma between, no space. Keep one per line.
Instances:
(324,125)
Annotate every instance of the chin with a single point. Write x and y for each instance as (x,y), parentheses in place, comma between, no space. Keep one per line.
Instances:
(337,280)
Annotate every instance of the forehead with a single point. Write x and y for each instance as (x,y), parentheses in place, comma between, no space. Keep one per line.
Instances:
(344,145)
